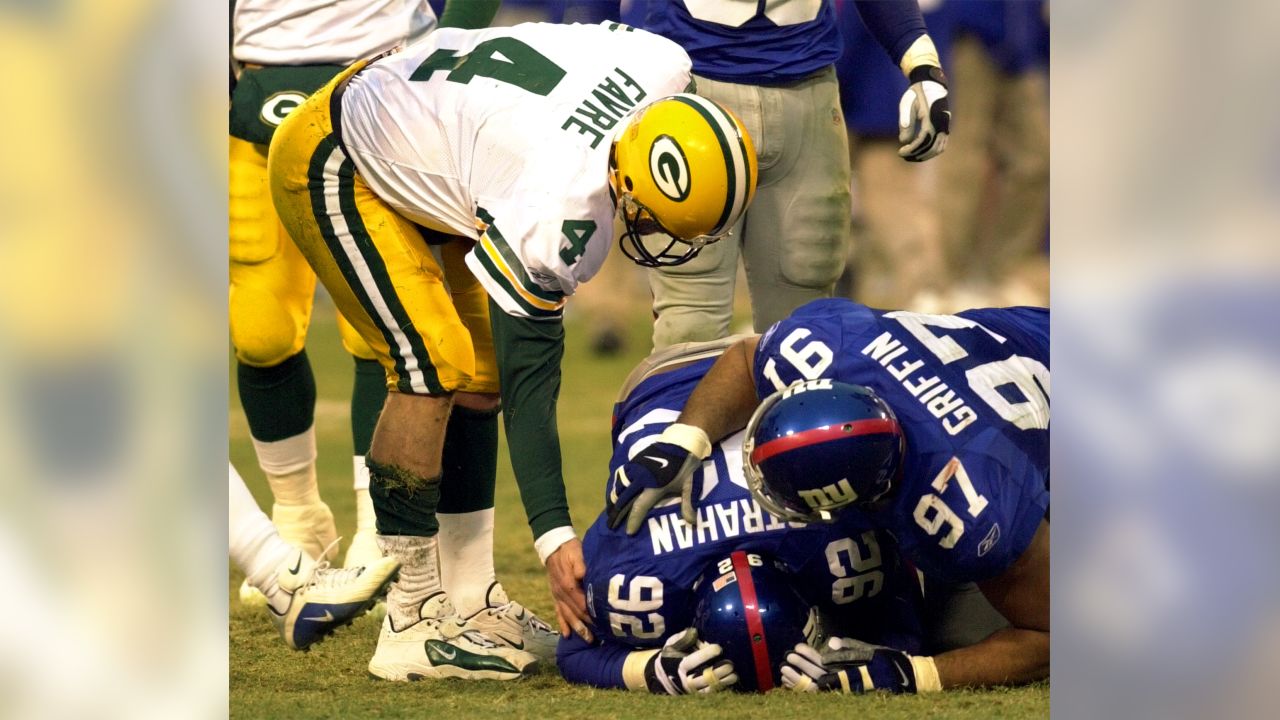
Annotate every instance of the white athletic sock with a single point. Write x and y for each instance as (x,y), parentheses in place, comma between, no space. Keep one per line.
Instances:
(290,465)
(255,546)
(419,576)
(365,518)
(466,558)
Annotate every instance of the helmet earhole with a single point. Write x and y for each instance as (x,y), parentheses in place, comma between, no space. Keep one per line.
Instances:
(756,638)
(848,427)
(627,181)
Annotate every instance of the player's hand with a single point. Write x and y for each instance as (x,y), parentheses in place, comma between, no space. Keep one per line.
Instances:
(565,569)
(686,665)
(658,471)
(838,668)
(924,115)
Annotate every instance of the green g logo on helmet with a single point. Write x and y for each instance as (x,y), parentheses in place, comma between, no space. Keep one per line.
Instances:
(669,167)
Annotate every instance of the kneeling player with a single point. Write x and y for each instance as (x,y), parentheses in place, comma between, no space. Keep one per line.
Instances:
(642,591)
(937,430)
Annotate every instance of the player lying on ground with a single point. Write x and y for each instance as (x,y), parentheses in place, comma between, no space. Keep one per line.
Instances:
(307,600)
(642,590)
(942,440)
(514,148)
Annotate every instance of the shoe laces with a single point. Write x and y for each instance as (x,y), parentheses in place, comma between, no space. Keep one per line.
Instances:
(325,575)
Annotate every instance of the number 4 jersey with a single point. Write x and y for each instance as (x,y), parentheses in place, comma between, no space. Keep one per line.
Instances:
(971,392)
(640,588)
(502,135)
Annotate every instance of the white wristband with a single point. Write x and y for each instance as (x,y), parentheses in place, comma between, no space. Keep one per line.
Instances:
(926,671)
(921,52)
(551,540)
(690,437)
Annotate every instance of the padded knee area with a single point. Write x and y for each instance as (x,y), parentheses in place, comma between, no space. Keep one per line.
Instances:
(262,331)
(254,229)
(814,254)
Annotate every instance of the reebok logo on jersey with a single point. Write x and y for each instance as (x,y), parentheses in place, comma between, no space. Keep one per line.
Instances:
(988,542)
(278,106)
(669,168)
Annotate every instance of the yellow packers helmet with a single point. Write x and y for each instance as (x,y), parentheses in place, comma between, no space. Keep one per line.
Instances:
(683,166)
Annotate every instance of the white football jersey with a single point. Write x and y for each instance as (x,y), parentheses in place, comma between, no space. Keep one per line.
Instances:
(328,32)
(502,135)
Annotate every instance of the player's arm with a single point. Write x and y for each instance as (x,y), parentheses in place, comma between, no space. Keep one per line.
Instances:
(1019,653)
(684,665)
(529,353)
(469,14)
(724,399)
(924,113)
(1014,655)
(720,405)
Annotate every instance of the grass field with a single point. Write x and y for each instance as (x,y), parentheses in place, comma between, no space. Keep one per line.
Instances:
(269,681)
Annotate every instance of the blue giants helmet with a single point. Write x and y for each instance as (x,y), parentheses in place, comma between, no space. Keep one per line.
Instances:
(746,603)
(818,446)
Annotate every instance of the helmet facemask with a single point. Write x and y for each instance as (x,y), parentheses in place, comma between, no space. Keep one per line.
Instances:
(639,222)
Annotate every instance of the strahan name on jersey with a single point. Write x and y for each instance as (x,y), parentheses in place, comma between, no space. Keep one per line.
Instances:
(640,588)
(971,392)
(502,135)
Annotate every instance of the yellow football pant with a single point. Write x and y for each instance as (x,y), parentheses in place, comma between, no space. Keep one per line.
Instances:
(431,338)
(271,285)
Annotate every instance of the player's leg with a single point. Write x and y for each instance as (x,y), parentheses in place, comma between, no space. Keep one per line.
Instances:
(896,253)
(306,600)
(368,394)
(470,475)
(271,291)
(387,284)
(796,233)
(1021,223)
(964,170)
(694,301)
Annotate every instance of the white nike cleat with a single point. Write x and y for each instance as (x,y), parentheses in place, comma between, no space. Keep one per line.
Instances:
(511,624)
(323,599)
(309,527)
(439,646)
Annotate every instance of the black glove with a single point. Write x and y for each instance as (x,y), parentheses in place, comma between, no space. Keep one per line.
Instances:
(657,471)
(924,115)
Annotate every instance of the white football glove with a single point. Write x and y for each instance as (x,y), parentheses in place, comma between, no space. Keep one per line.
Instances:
(924,115)
(686,665)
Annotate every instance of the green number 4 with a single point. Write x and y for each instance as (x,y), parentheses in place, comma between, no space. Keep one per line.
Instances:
(577,232)
(504,59)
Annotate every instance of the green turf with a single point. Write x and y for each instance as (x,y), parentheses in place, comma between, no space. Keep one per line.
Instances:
(267,680)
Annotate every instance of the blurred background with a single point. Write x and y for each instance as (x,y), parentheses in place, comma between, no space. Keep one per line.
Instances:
(113,375)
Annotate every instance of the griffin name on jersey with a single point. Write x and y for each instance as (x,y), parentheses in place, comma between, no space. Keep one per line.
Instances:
(509,147)
(971,393)
(639,589)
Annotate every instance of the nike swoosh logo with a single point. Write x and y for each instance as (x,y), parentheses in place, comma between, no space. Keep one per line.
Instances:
(450,655)
(296,565)
(664,461)
(905,680)
(326,617)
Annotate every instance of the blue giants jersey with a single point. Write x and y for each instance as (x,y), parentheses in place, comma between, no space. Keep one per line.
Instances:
(971,392)
(748,41)
(639,588)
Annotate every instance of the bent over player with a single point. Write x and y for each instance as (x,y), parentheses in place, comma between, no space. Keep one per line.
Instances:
(642,591)
(942,429)
(450,197)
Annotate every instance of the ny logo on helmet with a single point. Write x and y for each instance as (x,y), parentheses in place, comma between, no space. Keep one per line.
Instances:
(669,168)
(831,496)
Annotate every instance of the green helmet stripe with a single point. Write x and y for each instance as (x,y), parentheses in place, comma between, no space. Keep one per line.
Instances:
(735,168)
